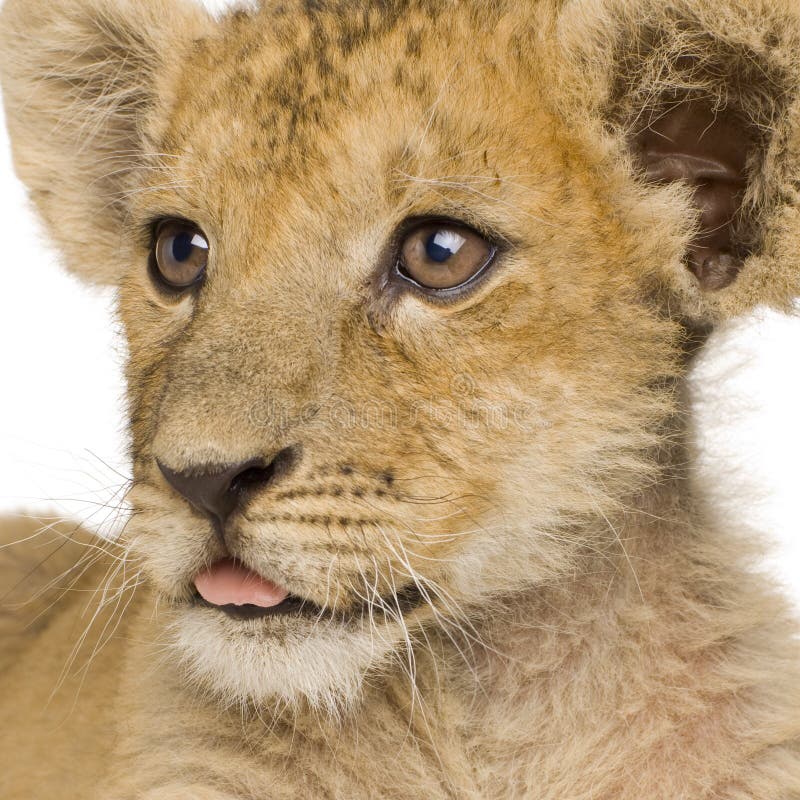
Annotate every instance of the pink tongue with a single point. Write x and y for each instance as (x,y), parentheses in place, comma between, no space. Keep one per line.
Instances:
(228,583)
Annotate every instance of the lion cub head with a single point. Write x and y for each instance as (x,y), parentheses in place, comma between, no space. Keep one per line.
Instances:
(407,287)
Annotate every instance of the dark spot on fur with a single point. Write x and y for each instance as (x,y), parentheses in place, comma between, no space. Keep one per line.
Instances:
(414,44)
(387,477)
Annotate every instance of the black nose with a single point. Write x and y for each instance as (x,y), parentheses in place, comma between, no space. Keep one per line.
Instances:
(218,491)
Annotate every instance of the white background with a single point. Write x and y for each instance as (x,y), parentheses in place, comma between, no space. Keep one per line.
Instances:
(61,410)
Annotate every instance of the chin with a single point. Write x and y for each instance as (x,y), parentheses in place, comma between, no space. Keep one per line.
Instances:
(280,662)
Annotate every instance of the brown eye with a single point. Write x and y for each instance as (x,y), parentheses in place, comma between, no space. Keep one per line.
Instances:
(443,256)
(181,253)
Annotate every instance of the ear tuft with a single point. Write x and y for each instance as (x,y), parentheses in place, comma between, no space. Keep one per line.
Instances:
(79,79)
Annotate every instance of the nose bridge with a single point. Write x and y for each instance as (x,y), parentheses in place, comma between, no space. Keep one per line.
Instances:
(240,380)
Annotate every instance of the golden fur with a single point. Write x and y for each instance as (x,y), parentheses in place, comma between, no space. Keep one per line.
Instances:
(520,457)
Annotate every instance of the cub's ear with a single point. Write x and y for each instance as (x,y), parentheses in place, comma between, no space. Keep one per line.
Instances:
(80,80)
(701,103)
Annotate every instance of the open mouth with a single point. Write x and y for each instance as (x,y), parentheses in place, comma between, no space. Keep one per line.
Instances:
(230,587)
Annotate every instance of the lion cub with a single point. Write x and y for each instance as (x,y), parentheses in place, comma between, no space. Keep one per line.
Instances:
(410,289)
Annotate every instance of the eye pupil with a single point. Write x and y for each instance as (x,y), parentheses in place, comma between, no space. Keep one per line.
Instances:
(182,247)
(443,245)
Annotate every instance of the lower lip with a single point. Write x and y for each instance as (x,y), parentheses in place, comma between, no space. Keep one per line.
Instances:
(405,603)
(292,606)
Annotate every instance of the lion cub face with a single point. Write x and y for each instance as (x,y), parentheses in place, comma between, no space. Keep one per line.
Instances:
(404,288)
(377,346)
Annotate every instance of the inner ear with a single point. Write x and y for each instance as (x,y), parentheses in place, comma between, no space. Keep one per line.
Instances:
(709,149)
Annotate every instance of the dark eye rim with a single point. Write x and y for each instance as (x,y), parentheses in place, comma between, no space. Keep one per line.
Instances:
(170,289)
(402,279)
